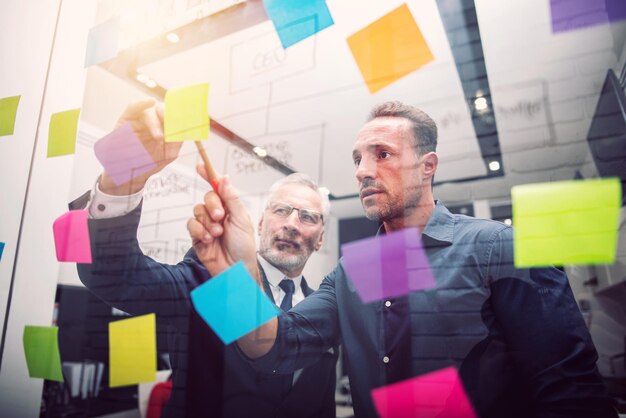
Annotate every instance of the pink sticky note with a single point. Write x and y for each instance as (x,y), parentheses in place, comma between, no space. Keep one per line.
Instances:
(71,237)
(388,265)
(122,155)
(438,394)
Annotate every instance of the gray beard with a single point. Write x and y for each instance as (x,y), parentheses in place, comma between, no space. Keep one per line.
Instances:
(284,262)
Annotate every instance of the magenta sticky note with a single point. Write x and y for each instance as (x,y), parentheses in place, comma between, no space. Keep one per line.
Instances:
(388,265)
(122,155)
(438,394)
(71,237)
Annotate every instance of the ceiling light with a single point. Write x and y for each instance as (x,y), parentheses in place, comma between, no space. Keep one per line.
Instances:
(494,166)
(142,78)
(507,221)
(172,37)
(260,151)
(480,103)
(151,83)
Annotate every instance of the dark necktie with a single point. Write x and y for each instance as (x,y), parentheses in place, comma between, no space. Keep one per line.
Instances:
(288,287)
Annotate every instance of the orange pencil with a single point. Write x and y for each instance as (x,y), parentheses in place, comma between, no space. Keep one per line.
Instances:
(213,178)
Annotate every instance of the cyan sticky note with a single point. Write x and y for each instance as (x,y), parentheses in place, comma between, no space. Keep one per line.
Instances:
(122,155)
(388,265)
(102,43)
(41,349)
(1,249)
(8,112)
(437,394)
(187,113)
(233,304)
(568,222)
(132,351)
(71,237)
(297,20)
(62,133)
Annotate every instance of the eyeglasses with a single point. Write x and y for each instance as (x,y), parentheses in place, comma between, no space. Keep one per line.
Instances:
(306,216)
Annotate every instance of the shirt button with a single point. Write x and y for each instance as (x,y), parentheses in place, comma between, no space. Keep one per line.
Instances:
(388,303)
(385,359)
(101,207)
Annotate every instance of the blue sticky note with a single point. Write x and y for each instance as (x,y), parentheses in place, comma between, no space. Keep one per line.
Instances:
(1,249)
(102,43)
(297,20)
(570,15)
(233,304)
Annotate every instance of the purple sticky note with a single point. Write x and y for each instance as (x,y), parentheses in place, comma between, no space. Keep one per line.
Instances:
(577,14)
(438,394)
(122,155)
(388,265)
(71,237)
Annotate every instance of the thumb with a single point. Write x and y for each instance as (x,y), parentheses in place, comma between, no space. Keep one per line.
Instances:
(135,108)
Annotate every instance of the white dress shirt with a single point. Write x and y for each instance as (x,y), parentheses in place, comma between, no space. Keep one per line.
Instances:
(274,277)
(102,205)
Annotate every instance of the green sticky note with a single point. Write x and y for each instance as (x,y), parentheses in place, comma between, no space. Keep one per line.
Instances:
(62,133)
(8,110)
(570,222)
(132,351)
(187,113)
(42,352)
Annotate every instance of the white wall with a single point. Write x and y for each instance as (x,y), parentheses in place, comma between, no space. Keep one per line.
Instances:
(25,52)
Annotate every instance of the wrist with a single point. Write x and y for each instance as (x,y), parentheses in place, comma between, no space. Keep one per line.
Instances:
(107,186)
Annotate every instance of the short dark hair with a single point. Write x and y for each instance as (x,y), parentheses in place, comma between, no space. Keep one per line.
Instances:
(424,128)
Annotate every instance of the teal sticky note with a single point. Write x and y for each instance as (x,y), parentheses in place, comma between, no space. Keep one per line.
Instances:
(41,348)
(297,20)
(102,43)
(1,249)
(8,111)
(233,304)
(567,222)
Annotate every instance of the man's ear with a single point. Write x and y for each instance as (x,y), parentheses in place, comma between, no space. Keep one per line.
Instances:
(431,162)
(260,226)
(320,241)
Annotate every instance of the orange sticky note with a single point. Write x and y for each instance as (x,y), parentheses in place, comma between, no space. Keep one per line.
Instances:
(389,49)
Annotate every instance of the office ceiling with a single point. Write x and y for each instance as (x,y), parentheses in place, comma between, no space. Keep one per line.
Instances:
(305,104)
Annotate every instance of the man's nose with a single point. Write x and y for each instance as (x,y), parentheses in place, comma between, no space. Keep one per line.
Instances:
(366,169)
(293,221)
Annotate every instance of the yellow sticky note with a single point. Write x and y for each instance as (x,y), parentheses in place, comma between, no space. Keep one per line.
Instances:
(8,111)
(389,48)
(62,133)
(570,222)
(187,113)
(132,351)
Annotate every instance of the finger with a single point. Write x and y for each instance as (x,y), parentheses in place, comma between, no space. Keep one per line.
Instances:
(231,200)
(153,123)
(214,207)
(160,111)
(197,232)
(202,171)
(212,227)
(134,109)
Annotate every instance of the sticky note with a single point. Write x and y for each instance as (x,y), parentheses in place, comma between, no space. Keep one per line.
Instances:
(233,304)
(569,222)
(389,49)
(8,111)
(438,394)
(297,20)
(1,249)
(132,351)
(41,349)
(187,113)
(102,43)
(570,15)
(62,133)
(388,265)
(71,237)
(122,155)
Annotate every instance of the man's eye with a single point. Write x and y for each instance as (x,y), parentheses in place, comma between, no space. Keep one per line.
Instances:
(384,154)
(357,161)
(306,217)
(281,211)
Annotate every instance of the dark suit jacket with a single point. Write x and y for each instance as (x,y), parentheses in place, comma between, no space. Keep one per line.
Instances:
(212,377)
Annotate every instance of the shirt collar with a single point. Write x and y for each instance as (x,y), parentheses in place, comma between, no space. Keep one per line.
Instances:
(275,276)
(440,226)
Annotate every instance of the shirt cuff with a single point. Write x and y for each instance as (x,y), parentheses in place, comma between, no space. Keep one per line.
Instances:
(102,205)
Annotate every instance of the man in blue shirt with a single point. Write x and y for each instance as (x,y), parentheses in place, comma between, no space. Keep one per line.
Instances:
(516,336)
